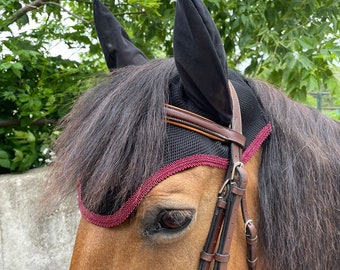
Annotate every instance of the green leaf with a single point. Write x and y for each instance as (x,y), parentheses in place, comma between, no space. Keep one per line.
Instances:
(24,137)
(5,163)
(312,83)
(3,154)
(333,85)
(9,95)
(23,20)
(306,63)
(4,159)
(16,71)
(18,155)
(307,42)
(5,66)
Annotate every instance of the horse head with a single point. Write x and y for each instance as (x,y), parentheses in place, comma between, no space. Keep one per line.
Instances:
(164,153)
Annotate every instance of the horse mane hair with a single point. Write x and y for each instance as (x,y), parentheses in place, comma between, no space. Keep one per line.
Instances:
(298,185)
(299,172)
(112,138)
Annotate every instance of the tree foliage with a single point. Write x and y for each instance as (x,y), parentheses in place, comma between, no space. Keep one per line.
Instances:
(293,44)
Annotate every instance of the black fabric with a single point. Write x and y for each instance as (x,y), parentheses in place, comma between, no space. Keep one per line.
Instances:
(253,117)
(200,60)
(118,50)
(183,143)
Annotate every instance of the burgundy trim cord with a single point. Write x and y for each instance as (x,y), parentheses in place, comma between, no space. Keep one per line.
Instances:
(179,165)
(124,212)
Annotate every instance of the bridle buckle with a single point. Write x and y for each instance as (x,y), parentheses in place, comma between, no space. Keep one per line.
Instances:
(231,178)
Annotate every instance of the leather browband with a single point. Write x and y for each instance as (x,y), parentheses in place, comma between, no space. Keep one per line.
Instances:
(188,120)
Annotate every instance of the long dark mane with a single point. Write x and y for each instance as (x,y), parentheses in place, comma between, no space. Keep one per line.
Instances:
(112,138)
(299,185)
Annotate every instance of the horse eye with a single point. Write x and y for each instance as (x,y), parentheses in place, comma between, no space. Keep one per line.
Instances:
(175,219)
(169,221)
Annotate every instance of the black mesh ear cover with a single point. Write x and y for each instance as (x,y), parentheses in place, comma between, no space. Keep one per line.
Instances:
(253,117)
(117,47)
(200,60)
(192,89)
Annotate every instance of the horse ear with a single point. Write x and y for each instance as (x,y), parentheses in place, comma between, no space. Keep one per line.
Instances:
(117,47)
(200,59)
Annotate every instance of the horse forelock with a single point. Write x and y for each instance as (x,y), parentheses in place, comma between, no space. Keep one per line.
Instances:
(112,138)
(298,185)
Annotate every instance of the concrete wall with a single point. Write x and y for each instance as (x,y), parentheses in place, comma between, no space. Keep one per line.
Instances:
(27,239)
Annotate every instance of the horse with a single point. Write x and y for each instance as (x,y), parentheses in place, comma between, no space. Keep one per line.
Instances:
(183,163)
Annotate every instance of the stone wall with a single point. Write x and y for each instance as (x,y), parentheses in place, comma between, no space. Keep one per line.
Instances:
(28,239)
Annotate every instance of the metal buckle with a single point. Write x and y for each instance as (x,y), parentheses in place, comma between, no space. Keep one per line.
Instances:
(236,164)
(228,180)
(248,222)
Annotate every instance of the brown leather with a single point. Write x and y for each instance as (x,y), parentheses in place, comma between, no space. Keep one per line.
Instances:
(236,191)
(182,118)
(239,191)
(222,258)
(207,256)
(214,233)
(232,193)
(236,151)
(251,236)
(235,188)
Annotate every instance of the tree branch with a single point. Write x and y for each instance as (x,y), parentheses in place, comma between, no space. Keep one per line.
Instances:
(39,3)
(129,13)
(34,6)
(39,122)
(69,12)
(24,10)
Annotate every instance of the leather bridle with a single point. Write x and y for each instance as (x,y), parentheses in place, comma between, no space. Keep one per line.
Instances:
(232,193)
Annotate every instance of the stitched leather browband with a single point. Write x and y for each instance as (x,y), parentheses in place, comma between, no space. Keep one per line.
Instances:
(188,120)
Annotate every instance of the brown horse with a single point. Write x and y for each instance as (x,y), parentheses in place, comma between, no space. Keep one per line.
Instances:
(148,181)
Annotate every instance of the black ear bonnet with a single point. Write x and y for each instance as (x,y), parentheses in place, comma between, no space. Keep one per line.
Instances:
(200,87)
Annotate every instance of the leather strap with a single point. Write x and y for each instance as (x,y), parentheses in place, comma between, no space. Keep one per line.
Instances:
(238,193)
(237,181)
(251,236)
(232,193)
(188,120)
